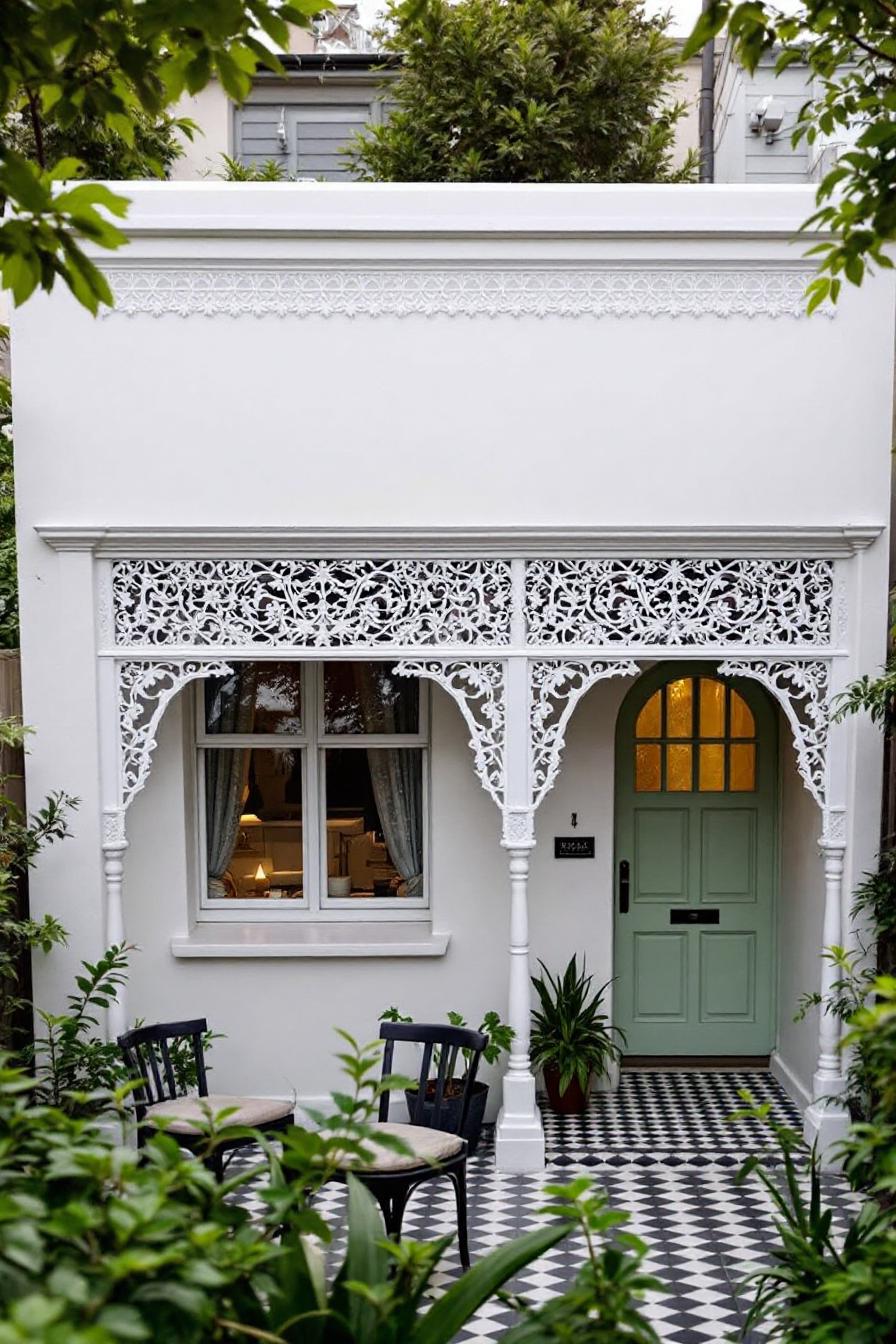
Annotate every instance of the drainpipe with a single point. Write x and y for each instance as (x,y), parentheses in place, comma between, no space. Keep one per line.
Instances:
(707,107)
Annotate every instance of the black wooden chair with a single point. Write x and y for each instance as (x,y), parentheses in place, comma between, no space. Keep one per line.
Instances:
(162,1060)
(435,1133)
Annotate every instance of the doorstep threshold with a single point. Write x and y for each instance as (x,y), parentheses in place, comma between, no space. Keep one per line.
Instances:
(696,1063)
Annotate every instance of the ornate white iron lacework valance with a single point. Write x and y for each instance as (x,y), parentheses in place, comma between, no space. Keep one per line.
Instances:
(467,291)
(311,603)
(224,606)
(679,602)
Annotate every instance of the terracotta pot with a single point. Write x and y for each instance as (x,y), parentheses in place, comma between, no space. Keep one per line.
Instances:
(571,1102)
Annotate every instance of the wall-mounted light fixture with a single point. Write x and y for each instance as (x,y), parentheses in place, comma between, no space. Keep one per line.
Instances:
(766,119)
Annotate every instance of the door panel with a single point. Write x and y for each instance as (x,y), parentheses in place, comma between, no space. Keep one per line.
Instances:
(662,844)
(728,855)
(660,978)
(696,768)
(727,976)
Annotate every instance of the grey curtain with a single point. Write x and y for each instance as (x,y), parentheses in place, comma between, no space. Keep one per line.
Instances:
(395,775)
(225,772)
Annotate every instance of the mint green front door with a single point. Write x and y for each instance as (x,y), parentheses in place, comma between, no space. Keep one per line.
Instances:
(696,771)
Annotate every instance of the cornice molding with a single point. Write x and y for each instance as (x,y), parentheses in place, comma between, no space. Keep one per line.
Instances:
(387,542)
(468,290)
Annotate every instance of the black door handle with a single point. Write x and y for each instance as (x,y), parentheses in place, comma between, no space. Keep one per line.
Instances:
(624,874)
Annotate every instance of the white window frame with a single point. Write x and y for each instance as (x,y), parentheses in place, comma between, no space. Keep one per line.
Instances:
(314,905)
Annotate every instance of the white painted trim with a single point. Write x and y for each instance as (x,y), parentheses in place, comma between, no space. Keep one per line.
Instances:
(505,543)
(246,940)
(494,211)
(795,1088)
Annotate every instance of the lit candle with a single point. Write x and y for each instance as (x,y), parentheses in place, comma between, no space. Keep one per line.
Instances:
(261,879)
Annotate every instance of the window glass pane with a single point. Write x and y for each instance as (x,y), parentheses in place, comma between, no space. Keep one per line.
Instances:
(679,769)
(648,724)
(742,724)
(255,698)
(647,767)
(743,767)
(679,708)
(253,823)
(712,708)
(369,698)
(374,822)
(712,767)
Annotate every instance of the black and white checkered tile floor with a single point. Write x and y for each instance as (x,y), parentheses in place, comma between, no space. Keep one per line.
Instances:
(663,1151)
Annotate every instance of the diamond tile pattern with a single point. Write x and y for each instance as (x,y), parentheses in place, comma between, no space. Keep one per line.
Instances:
(661,1148)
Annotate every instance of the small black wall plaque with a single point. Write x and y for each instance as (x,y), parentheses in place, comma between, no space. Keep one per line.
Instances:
(573,846)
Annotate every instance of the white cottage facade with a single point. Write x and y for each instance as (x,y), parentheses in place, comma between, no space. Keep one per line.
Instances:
(386,545)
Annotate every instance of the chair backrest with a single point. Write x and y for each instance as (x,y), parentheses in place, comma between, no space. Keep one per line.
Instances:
(442,1045)
(157,1068)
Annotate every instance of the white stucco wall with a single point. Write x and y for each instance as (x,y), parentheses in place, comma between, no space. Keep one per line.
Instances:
(565,427)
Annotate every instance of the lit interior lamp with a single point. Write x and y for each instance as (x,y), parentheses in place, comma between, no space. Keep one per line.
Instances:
(262,882)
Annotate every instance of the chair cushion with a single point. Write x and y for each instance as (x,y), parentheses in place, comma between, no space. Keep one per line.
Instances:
(183,1112)
(427,1145)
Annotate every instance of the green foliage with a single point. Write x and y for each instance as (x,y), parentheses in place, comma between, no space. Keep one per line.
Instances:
(21,840)
(499,1034)
(526,91)
(823,1289)
(101,71)
(849,47)
(601,1307)
(74,1065)
(569,1031)
(269,171)
(96,1247)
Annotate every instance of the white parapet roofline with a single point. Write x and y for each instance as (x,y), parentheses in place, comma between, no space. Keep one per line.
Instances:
(457,210)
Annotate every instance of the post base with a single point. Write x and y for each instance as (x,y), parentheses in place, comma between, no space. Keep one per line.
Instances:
(519,1143)
(826,1122)
(519,1136)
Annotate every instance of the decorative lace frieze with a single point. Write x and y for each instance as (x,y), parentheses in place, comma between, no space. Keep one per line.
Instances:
(555,688)
(462,291)
(802,687)
(144,692)
(322,604)
(679,602)
(480,692)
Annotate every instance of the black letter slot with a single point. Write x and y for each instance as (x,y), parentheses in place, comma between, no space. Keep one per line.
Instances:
(693,916)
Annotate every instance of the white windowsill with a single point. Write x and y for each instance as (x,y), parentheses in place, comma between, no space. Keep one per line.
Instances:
(347,939)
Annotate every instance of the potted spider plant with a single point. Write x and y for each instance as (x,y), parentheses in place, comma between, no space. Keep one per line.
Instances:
(499,1039)
(572,1040)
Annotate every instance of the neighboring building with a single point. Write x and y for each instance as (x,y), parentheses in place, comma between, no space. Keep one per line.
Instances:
(595,498)
(754,118)
(332,87)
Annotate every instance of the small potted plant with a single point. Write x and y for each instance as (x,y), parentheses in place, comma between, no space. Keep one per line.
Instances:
(499,1038)
(572,1041)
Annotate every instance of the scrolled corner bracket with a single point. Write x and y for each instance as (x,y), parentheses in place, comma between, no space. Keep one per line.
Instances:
(145,689)
(479,689)
(556,686)
(802,687)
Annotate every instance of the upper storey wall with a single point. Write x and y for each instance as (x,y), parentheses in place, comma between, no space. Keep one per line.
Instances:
(634,412)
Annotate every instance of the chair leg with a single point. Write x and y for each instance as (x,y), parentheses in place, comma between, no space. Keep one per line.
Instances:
(399,1203)
(459,1177)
